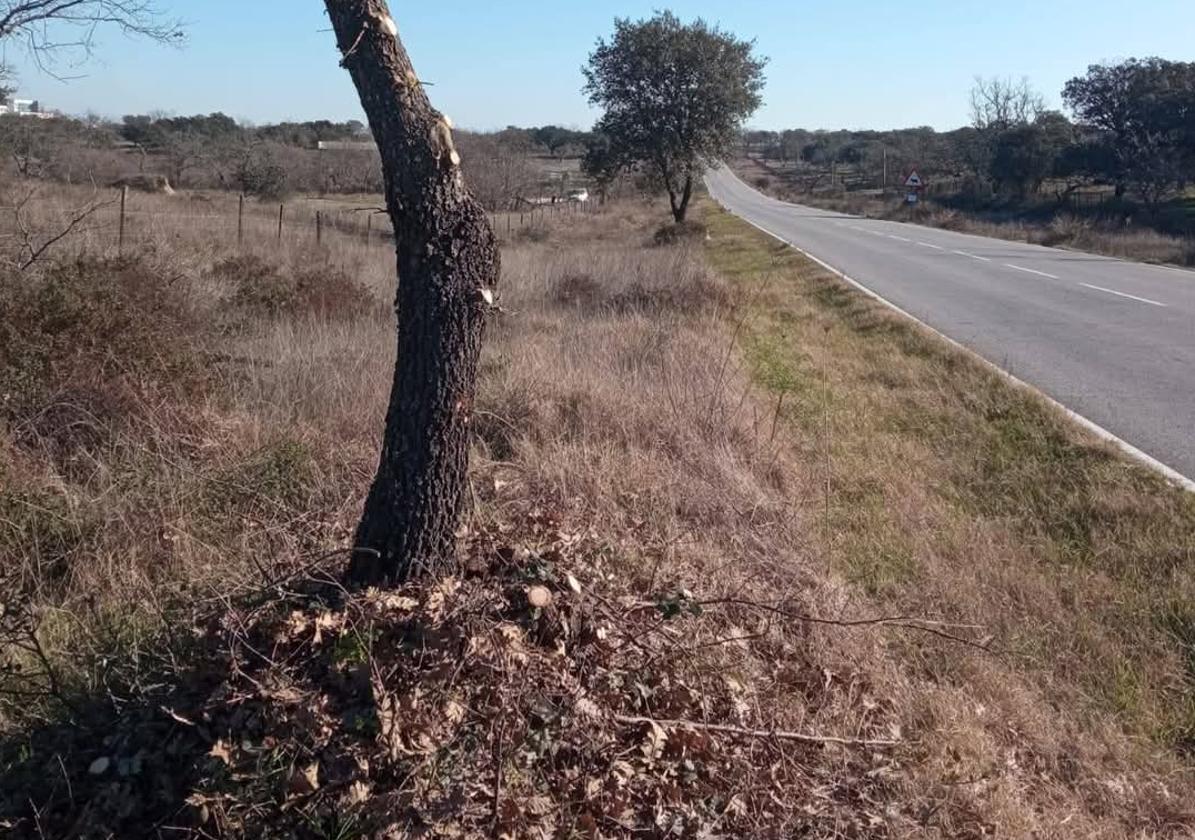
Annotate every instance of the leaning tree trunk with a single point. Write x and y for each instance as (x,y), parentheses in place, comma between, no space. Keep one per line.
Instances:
(447,267)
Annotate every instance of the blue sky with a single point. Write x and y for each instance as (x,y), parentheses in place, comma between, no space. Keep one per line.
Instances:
(861,64)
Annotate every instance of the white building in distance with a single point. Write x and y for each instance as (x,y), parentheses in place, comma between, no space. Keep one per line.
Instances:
(24,108)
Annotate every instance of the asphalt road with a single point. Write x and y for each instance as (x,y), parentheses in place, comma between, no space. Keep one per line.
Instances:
(1112,341)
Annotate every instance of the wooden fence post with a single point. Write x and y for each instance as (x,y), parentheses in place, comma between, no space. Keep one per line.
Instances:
(240,220)
(124,197)
(368,227)
(281,207)
(319,227)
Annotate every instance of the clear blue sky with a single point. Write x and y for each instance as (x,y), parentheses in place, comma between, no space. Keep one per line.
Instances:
(862,64)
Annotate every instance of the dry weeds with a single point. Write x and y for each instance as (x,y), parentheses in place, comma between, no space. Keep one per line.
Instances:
(650,452)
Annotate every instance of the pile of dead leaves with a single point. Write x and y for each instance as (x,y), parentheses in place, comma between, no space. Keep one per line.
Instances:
(530,695)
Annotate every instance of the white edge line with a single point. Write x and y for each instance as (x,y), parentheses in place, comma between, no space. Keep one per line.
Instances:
(1123,294)
(931,245)
(1029,270)
(898,238)
(1171,474)
(972,256)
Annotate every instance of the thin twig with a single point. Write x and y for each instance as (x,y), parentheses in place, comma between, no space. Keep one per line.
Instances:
(904,622)
(781,734)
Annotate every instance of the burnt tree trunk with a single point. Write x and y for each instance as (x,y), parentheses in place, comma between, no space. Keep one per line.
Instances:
(448,263)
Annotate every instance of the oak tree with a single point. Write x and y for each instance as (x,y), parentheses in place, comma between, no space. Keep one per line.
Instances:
(675,97)
(448,265)
(1145,110)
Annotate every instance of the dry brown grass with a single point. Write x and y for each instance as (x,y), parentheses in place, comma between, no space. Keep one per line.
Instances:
(656,428)
(611,396)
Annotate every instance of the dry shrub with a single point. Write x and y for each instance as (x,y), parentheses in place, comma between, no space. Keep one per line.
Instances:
(1065,229)
(533,233)
(692,293)
(679,232)
(260,290)
(663,282)
(89,336)
(947,219)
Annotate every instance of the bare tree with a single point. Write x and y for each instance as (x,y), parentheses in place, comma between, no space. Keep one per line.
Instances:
(1000,104)
(448,264)
(49,27)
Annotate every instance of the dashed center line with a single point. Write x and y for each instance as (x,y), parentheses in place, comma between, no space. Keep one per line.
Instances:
(972,256)
(1123,294)
(1030,271)
(1013,266)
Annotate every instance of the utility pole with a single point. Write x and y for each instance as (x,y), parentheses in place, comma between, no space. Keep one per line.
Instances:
(884,185)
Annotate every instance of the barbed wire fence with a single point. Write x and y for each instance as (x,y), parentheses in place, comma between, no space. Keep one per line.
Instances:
(250,221)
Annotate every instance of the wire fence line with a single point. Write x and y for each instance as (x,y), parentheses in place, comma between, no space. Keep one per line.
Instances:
(251,221)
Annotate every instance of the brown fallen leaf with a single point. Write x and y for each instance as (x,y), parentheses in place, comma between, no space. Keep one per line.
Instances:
(304,780)
(222,751)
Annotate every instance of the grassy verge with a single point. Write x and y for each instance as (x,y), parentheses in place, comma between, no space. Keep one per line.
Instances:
(947,491)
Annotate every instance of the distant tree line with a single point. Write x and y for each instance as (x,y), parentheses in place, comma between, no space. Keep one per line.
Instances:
(1131,127)
(215,151)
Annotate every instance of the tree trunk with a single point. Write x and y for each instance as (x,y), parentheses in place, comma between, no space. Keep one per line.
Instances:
(448,263)
(680,205)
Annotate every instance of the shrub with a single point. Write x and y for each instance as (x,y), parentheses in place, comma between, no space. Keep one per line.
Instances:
(675,234)
(260,290)
(577,289)
(1064,229)
(680,289)
(258,173)
(95,328)
(534,233)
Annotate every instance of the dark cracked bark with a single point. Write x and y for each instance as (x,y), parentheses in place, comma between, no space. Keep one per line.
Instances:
(448,263)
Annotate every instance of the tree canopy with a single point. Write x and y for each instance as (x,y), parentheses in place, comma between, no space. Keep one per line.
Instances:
(675,97)
(1145,110)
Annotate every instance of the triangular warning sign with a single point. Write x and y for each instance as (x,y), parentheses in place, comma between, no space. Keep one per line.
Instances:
(914,180)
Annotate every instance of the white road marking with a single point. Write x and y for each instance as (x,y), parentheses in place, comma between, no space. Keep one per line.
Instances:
(1030,271)
(898,238)
(875,233)
(972,256)
(931,245)
(1123,294)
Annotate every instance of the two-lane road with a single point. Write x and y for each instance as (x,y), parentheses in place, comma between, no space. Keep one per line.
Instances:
(1112,341)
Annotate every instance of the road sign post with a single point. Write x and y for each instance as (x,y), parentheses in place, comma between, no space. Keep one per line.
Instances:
(914,185)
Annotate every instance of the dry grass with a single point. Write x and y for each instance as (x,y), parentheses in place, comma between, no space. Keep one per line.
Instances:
(612,406)
(669,435)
